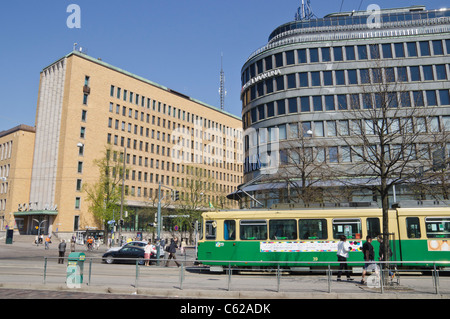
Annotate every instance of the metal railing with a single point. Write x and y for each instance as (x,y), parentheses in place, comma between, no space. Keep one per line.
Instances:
(145,276)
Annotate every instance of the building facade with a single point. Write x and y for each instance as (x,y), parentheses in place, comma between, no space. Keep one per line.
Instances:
(313,93)
(16,158)
(88,110)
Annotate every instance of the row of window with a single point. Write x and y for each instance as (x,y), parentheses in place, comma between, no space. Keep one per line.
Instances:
(317,229)
(347,53)
(321,103)
(346,77)
(156,106)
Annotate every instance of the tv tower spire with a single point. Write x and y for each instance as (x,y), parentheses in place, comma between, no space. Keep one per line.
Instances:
(222,91)
(304,12)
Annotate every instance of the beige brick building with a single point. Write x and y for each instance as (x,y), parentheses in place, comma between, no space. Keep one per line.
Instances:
(16,158)
(85,104)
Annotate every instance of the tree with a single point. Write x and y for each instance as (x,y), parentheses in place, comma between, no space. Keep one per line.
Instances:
(104,195)
(382,134)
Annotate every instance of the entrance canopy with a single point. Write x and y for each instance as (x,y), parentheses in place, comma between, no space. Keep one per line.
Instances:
(36,213)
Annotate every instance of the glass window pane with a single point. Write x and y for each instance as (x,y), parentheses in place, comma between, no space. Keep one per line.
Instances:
(340,77)
(412,49)
(302,56)
(437,47)
(342,101)
(292,83)
(373,227)
(350,53)
(413,227)
(313,229)
(293,105)
(351,228)
(283,229)
(210,229)
(399,50)
(415,73)
(352,78)
(364,76)
(229,230)
(268,61)
(290,57)
(304,102)
(328,77)
(424,48)
(329,102)
(438,227)
(270,109)
(428,73)
(314,55)
(279,60)
(304,79)
(326,54)
(431,98)
(253,229)
(362,52)
(402,75)
(317,103)
(315,78)
(281,107)
(444,97)
(337,52)
(387,51)
(441,73)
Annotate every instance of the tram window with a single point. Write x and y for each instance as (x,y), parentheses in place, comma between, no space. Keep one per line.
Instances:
(229,230)
(413,227)
(283,229)
(351,228)
(313,228)
(210,229)
(253,229)
(438,227)
(373,227)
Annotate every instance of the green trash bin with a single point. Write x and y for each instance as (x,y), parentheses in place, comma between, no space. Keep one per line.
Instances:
(9,236)
(75,266)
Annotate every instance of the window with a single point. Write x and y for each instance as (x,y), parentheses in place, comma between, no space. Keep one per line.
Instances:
(441,73)
(402,74)
(337,51)
(415,73)
(304,104)
(317,103)
(362,52)
(428,73)
(253,229)
(373,227)
(301,56)
(290,57)
(229,230)
(314,55)
(327,77)
(413,227)
(351,228)
(313,229)
(283,229)
(77,202)
(281,107)
(412,49)
(424,48)
(210,229)
(431,98)
(340,77)
(315,78)
(352,78)
(293,105)
(329,102)
(291,81)
(333,154)
(304,82)
(326,55)
(437,227)
(387,51)
(279,60)
(437,47)
(350,53)
(399,50)
(280,83)
(444,96)
(80,167)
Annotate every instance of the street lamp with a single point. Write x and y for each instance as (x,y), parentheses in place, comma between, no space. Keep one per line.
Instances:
(39,228)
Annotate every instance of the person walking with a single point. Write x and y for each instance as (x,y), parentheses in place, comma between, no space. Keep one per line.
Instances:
(172,250)
(342,254)
(62,251)
(369,257)
(147,253)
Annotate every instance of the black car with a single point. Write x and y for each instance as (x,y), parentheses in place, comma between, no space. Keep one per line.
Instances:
(126,255)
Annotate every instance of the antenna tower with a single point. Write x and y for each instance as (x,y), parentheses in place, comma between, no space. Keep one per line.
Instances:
(304,12)
(222,91)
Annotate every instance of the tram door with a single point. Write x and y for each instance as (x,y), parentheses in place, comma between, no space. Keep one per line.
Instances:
(80,237)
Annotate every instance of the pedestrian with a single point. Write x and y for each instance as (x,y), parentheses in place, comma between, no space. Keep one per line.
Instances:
(369,256)
(182,246)
(47,242)
(62,251)
(343,249)
(172,250)
(72,243)
(147,253)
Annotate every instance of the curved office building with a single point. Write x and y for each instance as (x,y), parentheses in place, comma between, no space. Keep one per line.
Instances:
(312,100)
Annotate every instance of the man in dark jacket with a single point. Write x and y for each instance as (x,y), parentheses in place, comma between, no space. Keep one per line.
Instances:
(62,251)
(172,250)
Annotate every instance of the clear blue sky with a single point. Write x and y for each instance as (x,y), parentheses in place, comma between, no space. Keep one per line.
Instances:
(176,43)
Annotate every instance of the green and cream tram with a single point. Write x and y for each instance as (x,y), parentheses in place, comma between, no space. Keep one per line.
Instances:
(295,238)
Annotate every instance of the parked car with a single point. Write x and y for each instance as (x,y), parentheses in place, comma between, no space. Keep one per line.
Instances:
(126,254)
(137,243)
